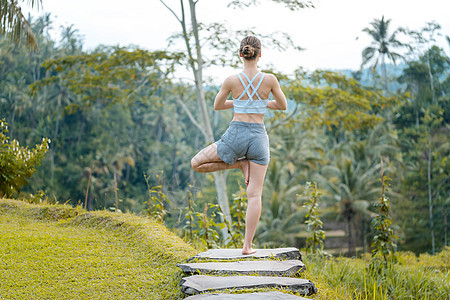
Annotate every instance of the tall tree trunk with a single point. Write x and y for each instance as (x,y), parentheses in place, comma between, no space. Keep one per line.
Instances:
(417,107)
(430,199)
(55,135)
(350,237)
(383,63)
(348,213)
(52,167)
(364,237)
(445,227)
(219,177)
(196,64)
(11,131)
(430,75)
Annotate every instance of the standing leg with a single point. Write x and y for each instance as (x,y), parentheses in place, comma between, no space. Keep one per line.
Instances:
(254,192)
(207,160)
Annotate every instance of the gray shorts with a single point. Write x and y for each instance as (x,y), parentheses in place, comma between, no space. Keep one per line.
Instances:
(243,139)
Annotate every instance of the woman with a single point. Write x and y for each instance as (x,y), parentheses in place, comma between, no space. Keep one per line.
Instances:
(245,144)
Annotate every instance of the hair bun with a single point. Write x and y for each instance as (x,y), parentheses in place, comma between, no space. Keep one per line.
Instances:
(248,51)
(250,47)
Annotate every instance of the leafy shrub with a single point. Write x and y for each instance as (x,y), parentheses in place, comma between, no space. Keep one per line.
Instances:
(384,245)
(316,236)
(156,199)
(204,228)
(17,163)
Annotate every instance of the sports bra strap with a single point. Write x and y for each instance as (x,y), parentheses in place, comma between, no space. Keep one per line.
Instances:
(255,91)
(250,84)
(246,87)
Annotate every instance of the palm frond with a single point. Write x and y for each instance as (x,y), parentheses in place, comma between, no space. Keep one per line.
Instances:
(368,55)
(394,56)
(372,33)
(14,25)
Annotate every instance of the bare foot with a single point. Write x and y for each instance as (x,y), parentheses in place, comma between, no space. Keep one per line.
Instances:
(247,251)
(245,168)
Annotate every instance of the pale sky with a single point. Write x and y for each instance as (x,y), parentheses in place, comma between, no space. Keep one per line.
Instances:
(331,32)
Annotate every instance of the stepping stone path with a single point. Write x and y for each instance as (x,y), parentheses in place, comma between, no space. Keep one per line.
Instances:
(229,254)
(265,268)
(248,296)
(270,268)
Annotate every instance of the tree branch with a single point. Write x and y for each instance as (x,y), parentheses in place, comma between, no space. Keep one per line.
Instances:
(146,78)
(191,117)
(274,125)
(171,10)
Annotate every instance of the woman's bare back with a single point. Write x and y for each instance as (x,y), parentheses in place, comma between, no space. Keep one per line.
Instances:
(263,90)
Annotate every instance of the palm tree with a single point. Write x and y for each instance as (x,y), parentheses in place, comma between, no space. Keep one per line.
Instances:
(14,24)
(71,40)
(381,46)
(352,186)
(352,180)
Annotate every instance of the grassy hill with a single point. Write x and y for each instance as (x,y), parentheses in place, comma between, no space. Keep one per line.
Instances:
(60,252)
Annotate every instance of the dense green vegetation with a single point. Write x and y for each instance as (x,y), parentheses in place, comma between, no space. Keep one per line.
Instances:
(123,129)
(116,113)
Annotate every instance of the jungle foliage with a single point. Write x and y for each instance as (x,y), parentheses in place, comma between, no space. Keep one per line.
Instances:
(117,120)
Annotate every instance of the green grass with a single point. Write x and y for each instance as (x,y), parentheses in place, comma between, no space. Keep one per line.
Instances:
(425,277)
(59,252)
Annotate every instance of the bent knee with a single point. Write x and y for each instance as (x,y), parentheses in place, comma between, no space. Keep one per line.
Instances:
(194,164)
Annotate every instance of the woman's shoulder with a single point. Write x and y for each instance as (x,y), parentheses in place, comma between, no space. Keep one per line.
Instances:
(231,80)
(232,77)
(270,78)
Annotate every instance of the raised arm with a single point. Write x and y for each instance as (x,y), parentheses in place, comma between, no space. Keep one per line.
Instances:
(280,102)
(221,102)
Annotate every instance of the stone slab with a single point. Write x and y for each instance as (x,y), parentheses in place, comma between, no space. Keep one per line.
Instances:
(236,254)
(197,284)
(249,267)
(249,296)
